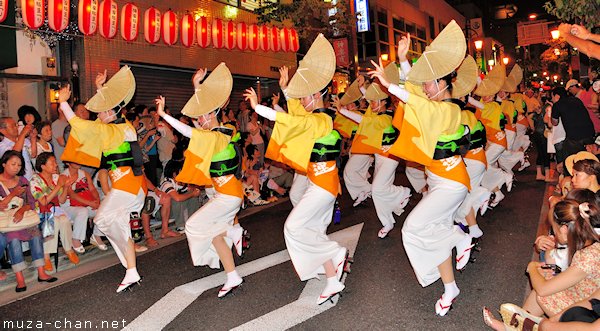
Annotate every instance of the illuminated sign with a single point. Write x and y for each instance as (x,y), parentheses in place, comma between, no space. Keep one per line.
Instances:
(363,22)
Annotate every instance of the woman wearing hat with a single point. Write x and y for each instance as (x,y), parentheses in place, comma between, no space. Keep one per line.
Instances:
(115,139)
(431,134)
(212,159)
(305,140)
(374,136)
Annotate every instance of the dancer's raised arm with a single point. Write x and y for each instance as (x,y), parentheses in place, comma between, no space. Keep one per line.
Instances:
(356,117)
(177,125)
(63,96)
(261,110)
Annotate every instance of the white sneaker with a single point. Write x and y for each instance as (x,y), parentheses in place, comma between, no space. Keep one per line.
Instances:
(362,196)
(499,197)
(406,197)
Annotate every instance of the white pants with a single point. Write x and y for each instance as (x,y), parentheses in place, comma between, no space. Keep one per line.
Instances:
(494,177)
(356,174)
(429,233)
(62,228)
(510,139)
(79,215)
(213,219)
(387,196)
(112,218)
(305,232)
(299,187)
(478,195)
(417,178)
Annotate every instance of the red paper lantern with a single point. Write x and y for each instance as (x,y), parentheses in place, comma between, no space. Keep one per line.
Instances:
(152,19)
(107,14)
(58,14)
(188,30)
(88,16)
(170,27)
(3,10)
(285,40)
(253,37)
(263,37)
(203,31)
(229,34)
(130,21)
(217,33)
(295,42)
(242,36)
(274,43)
(33,13)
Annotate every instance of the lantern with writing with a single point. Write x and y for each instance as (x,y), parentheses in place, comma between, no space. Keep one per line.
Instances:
(152,26)
(88,16)
(217,33)
(274,43)
(285,40)
(242,36)
(203,32)
(263,37)
(229,35)
(33,13)
(188,30)
(107,17)
(294,41)
(58,14)
(253,37)
(170,27)
(130,21)
(3,10)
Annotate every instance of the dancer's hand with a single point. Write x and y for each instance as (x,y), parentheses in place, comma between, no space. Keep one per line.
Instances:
(337,103)
(403,47)
(284,77)
(379,73)
(64,94)
(198,77)
(251,97)
(160,106)
(100,79)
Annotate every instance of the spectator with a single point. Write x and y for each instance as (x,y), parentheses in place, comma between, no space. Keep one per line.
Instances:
(162,202)
(148,143)
(184,199)
(50,190)
(589,99)
(44,141)
(535,117)
(13,140)
(280,178)
(28,115)
(243,117)
(254,128)
(15,193)
(166,144)
(576,121)
(58,130)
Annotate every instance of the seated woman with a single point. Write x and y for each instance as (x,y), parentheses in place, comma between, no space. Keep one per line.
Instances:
(82,202)
(50,190)
(14,191)
(184,198)
(251,171)
(573,223)
(44,130)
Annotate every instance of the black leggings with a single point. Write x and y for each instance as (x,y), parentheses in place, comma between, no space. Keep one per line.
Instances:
(541,145)
(581,314)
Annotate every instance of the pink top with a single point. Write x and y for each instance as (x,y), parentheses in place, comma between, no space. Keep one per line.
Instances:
(586,98)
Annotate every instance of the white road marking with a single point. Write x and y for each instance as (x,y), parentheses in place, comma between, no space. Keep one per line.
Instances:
(165,310)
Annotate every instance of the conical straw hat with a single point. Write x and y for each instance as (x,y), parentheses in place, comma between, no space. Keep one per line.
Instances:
(513,80)
(118,91)
(314,71)
(211,94)
(352,93)
(466,78)
(392,73)
(374,92)
(443,56)
(492,83)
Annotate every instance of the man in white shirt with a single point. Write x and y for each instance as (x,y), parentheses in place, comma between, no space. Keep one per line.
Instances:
(15,141)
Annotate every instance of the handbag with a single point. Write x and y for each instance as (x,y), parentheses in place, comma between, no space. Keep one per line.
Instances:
(7,224)
(517,319)
(47,222)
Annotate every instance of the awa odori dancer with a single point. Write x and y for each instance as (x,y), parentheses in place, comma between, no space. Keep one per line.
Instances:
(212,159)
(431,134)
(114,139)
(375,136)
(305,140)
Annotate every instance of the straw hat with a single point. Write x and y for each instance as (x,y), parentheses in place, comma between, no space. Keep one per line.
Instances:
(212,93)
(443,56)
(572,159)
(466,78)
(118,91)
(492,83)
(374,92)
(392,73)
(352,93)
(314,71)
(513,80)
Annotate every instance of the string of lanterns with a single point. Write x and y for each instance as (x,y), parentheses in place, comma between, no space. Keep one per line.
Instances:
(103,17)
